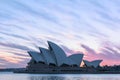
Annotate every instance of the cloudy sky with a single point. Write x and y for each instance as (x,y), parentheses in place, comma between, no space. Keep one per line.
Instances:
(88,26)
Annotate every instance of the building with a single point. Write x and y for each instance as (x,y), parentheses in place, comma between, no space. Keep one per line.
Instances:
(54,60)
(54,56)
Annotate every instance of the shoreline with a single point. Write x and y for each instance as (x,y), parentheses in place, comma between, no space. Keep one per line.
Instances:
(66,72)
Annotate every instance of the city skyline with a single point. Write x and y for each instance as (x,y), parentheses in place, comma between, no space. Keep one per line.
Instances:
(87,26)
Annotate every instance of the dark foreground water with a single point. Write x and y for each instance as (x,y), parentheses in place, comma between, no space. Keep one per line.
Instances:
(14,76)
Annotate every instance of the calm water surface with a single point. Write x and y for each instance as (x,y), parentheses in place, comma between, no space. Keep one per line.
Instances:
(14,76)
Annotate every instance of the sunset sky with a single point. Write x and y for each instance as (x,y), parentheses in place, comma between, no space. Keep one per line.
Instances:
(91,27)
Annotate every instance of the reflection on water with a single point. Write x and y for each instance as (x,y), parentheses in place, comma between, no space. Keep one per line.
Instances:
(12,76)
(74,78)
(47,78)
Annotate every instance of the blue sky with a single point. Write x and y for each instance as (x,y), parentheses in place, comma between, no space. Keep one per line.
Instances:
(88,26)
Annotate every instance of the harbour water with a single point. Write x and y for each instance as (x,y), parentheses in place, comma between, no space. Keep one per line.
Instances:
(17,76)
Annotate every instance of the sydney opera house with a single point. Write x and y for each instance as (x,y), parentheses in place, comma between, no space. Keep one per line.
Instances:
(54,60)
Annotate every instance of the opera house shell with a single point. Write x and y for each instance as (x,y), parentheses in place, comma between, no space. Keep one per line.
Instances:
(95,63)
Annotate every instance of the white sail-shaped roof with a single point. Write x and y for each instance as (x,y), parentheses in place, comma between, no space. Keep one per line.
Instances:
(94,63)
(36,56)
(59,54)
(77,58)
(47,56)
(69,61)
